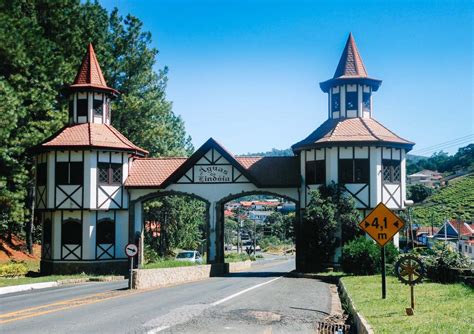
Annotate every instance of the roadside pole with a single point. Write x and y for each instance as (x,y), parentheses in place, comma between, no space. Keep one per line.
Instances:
(384,277)
(131,250)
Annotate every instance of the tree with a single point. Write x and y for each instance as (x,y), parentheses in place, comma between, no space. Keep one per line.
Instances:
(418,192)
(330,221)
(41,47)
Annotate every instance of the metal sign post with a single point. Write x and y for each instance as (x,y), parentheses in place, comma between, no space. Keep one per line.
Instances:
(381,224)
(384,277)
(131,250)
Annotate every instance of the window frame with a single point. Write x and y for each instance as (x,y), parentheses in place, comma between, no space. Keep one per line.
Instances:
(82,112)
(94,101)
(349,96)
(366,101)
(392,165)
(101,224)
(67,175)
(110,173)
(318,175)
(347,174)
(76,235)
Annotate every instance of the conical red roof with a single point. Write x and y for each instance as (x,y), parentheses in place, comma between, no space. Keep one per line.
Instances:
(90,75)
(351,69)
(350,64)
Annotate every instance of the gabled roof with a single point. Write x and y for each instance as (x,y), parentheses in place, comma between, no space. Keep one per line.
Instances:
(345,131)
(90,75)
(89,135)
(453,225)
(350,69)
(261,171)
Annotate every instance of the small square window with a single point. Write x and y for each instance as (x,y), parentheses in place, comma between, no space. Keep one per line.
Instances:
(361,170)
(315,172)
(351,101)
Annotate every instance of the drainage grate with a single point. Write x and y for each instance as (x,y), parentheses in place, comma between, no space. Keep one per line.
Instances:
(331,328)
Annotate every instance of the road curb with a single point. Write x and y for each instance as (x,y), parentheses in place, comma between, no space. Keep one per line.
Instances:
(26,287)
(44,285)
(361,324)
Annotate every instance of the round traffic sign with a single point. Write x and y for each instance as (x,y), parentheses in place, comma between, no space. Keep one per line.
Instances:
(131,250)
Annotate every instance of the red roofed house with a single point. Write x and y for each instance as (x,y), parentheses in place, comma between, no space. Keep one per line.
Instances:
(92,181)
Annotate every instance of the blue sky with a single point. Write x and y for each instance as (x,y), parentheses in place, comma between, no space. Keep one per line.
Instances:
(247,73)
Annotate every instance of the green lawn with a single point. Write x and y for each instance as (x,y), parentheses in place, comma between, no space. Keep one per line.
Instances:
(168,264)
(439,308)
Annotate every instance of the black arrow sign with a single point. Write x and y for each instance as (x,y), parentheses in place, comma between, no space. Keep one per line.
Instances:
(395,224)
(367,224)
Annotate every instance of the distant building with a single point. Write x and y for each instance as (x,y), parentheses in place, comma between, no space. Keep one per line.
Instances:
(287,208)
(425,177)
(461,234)
(259,216)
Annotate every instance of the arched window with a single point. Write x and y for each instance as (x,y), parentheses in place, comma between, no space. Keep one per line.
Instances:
(105,239)
(71,239)
(71,232)
(105,231)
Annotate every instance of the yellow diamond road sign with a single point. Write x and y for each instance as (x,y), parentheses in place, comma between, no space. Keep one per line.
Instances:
(381,224)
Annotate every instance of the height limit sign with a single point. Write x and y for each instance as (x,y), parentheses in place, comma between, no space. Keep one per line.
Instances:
(382,224)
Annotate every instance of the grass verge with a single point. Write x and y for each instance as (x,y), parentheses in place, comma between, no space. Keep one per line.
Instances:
(30,280)
(168,264)
(439,308)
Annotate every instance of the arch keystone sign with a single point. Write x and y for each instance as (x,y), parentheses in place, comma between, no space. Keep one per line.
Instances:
(381,224)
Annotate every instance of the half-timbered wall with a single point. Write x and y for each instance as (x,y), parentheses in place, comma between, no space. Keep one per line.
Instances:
(340,91)
(368,194)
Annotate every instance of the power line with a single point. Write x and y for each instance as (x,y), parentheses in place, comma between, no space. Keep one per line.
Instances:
(446,142)
(449,143)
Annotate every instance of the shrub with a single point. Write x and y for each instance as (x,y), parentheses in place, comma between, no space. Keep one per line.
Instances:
(362,256)
(445,265)
(237,257)
(13,269)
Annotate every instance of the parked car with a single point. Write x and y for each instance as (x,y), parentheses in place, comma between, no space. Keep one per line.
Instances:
(190,256)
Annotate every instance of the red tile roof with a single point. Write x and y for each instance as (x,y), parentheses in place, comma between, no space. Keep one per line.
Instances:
(269,171)
(273,171)
(152,172)
(90,75)
(351,130)
(89,135)
(351,68)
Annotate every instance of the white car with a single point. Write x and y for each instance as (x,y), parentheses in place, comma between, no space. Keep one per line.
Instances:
(190,256)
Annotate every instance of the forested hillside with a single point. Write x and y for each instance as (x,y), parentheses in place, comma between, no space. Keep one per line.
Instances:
(41,47)
(449,202)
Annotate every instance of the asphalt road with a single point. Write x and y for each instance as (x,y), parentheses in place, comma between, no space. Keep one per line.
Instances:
(261,300)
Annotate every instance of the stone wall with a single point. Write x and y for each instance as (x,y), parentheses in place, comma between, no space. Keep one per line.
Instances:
(162,277)
(233,267)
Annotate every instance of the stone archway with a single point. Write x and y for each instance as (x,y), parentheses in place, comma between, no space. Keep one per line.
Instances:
(220,218)
(137,204)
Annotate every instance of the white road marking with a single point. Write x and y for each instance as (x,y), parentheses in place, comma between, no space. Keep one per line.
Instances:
(223,300)
(244,291)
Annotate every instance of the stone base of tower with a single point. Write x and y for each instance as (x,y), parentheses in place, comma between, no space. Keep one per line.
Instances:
(112,267)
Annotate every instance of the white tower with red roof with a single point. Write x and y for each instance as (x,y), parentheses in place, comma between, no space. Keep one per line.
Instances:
(81,170)
(351,148)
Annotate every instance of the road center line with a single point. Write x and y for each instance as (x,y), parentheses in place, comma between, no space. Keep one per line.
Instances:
(223,300)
